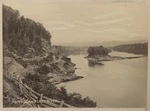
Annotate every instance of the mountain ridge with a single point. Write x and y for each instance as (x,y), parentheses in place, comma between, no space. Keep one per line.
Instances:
(96,43)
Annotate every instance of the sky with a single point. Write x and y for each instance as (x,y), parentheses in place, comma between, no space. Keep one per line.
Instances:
(79,21)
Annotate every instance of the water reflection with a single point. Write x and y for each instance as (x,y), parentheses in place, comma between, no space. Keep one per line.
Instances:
(92,63)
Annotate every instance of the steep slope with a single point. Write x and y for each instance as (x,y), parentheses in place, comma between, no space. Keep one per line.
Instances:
(28,43)
(28,55)
(23,36)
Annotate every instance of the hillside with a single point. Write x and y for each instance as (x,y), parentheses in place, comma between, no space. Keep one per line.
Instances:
(28,42)
(137,48)
(69,50)
(99,43)
(31,37)
(29,56)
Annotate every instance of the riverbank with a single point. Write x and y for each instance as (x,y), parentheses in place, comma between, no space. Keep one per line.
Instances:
(59,69)
(68,79)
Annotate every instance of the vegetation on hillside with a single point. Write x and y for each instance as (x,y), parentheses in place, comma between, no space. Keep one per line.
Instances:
(68,50)
(28,43)
(137,48)
(22,35)
(39,83)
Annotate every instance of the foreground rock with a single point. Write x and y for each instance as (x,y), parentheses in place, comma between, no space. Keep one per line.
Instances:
(59,68)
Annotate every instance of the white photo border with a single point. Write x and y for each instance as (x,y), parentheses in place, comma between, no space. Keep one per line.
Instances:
(147,3)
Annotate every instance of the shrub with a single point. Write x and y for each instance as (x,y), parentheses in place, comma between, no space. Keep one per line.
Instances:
(43,70)
(100,50)
(40,84)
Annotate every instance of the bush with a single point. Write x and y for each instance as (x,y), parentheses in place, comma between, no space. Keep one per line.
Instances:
(40,84)
(100,50)
(43,70)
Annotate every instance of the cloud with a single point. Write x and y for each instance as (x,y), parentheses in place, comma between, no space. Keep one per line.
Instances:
(107,31)
(127,1)
(107,22)
(58,25)
(116,33)
(87,1)
(111,15)
(63,1)
(112,18)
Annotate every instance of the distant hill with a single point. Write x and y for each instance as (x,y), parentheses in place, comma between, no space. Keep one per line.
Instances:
(136,48)
(98,43)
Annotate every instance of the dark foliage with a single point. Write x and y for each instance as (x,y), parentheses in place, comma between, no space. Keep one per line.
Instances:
(137,48)
(40,84)
(68,50)
(43,69)
(23,36)
(20,33)
(100,50)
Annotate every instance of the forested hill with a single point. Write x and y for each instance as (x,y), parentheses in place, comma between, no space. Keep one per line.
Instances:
(137,48)
(28,55)
(22,35)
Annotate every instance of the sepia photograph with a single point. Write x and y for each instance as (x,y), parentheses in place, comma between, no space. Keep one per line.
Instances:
(75,55)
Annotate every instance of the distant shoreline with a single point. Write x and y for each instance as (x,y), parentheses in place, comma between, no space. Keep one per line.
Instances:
(99,59)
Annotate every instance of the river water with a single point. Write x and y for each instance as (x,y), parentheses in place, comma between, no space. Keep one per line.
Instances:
(116,84)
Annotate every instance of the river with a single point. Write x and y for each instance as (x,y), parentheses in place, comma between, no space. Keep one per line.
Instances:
(116,84)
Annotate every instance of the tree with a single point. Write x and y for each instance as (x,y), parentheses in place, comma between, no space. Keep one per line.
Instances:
(137,48)
(99,50)
(20,33)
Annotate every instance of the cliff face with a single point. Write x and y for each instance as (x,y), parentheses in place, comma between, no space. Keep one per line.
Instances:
(28,43)
(29,56)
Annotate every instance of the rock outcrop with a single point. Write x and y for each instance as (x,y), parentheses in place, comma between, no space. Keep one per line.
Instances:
(28,43)
(29,56)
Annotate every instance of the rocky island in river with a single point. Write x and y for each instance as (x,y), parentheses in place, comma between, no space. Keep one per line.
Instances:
(98,54)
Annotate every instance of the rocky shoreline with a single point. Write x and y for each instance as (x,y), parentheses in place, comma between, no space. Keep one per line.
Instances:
(60,69)
(68,79)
